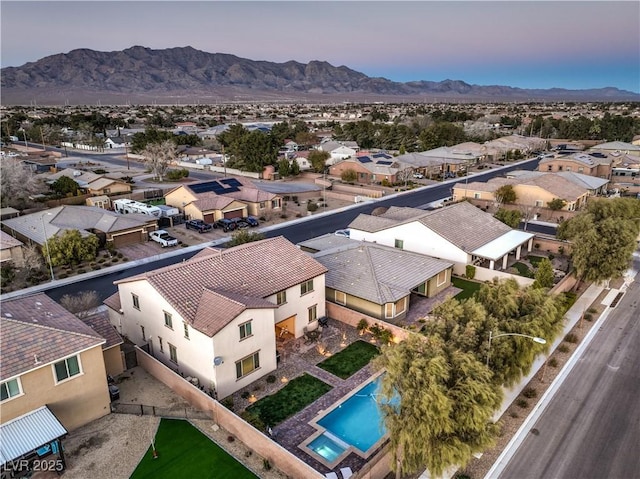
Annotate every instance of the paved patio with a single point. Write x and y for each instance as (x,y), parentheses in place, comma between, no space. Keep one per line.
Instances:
(299,356)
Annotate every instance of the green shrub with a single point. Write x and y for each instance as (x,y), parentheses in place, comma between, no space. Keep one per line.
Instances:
(96,267)
(115,260)
(284,216)
(119,255)
(571,338)
(266,465)
(362,325)
(563,348)
(245,395)
(588,317)
(311,206)
(553,362)
(592,310)
(529,392)
(523,403)
(470,271)
(271,379)
(82,271)
(228,402)
(253,419)
(101,260)
(63,276)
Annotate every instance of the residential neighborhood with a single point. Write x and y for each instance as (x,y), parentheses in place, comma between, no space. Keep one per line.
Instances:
(266,304)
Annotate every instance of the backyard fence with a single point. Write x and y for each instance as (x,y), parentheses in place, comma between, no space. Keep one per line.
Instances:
(168,412)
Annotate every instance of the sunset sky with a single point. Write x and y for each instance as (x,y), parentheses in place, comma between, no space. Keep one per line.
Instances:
(541,44)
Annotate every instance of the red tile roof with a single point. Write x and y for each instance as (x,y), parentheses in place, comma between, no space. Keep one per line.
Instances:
(244,275)
(36,331)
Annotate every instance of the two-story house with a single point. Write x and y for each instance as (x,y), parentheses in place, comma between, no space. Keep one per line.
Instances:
(218,317)
(50,358)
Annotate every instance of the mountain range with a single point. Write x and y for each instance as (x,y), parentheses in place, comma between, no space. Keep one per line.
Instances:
(186,75)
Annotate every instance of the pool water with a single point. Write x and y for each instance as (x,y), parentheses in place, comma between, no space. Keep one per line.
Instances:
(358,421)
(327,447)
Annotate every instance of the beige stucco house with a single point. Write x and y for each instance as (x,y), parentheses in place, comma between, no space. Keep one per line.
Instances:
(220,316)
(227,198)
(11,250)
(50,358)
(376,280)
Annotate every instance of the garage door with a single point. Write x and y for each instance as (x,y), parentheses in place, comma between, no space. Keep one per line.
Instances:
(209,218)
(127,238)
(233,214)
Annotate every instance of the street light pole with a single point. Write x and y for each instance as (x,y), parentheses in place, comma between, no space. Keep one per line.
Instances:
(46,243)
(491,336)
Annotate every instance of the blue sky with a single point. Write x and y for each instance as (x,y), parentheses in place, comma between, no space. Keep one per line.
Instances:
(540,44)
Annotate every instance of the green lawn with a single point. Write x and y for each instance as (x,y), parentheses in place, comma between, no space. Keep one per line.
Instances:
(523,270)
(468,288)
(535,260)
(351,359)
(183,451)
(292,398)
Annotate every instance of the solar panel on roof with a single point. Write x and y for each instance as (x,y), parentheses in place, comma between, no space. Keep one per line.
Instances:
(386,163)
(364,159)
(231,182)
(381,155)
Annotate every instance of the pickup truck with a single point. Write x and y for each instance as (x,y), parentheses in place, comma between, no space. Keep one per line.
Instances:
(162,237)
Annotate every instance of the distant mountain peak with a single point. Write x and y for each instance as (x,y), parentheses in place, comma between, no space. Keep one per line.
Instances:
(140,73)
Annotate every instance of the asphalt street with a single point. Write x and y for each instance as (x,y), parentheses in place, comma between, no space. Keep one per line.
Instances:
(294,232)
(591,427)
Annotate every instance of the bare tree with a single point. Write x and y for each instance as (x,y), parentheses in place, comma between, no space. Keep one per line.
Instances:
(16,181)
(158,156)
(404,175)
(81,304)
(33,260)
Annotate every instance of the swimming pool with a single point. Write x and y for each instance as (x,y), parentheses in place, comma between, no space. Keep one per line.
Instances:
(354,424)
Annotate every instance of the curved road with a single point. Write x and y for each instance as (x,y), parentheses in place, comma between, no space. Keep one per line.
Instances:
(296,232)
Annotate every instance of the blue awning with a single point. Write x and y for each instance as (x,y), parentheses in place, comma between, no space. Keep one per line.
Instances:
(29,432)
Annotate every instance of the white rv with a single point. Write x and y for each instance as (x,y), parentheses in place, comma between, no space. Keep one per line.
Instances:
(131,206)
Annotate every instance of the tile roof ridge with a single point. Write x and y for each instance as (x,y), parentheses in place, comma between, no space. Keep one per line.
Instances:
(95,335)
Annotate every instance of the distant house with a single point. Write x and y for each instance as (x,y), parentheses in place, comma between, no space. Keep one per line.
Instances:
(226,198)
(91,182)
(50,358)
(108,226)
(11,250)
(592,163)
(220,316)
(379,280)
(617,147)
(115,142)
(337,151)
(459,233)
(369,169)
(536,189)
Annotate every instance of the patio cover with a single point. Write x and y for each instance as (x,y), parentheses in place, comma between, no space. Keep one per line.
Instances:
(501,246)
(28,432)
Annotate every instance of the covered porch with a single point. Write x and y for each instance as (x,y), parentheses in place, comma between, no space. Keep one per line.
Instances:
(496,253)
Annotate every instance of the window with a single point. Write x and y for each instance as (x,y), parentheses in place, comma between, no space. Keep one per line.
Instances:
(9,389)
(275,203)
(559,167)
(173,353)
(168,322)
(400,306)
(580,169)
(388,310)
(568,168)
(476,196)
(281,297)
(539,203)
(442,278)
(262,205)
(313,313)
(67,368)
(399,244)
(248,365)
(144,338)
(306,287)
(341,298)
(136,301)
(245,330)
(549,167)
(422,289)
(161,344)
(186,330)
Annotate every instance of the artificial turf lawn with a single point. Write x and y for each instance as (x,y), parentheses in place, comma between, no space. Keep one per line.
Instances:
(294,397)
(523,270)
(351,359)
(183,451)
(535,260)
(468,288)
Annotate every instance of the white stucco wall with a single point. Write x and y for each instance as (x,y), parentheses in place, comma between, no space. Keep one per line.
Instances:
(228,345)
(417,238)
(299,305)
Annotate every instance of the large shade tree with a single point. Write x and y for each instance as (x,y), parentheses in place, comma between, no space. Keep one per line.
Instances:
(158,157)
(603,238)
(445,403)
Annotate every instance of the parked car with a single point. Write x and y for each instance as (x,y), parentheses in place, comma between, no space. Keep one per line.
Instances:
(164,238)
(225,224)
(419,176)
(198,225)
(240,223)
(252,220)
(345,233)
